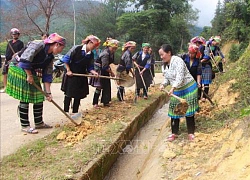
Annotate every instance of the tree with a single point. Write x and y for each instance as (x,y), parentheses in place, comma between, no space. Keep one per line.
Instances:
(33,17)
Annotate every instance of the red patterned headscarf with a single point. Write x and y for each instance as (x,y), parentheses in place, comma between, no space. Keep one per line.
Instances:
(93,39)
(193,48)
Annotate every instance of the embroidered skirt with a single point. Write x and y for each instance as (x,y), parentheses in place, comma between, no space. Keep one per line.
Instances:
(206,77)
(188,92)
(96,82)
(19,88)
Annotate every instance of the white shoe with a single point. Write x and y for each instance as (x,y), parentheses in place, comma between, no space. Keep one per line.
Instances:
(2,91)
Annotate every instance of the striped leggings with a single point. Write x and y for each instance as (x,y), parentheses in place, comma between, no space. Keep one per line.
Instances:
(23,110)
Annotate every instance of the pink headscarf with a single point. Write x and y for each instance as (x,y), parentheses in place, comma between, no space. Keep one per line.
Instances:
(93,39)
(199,39)
(55,38)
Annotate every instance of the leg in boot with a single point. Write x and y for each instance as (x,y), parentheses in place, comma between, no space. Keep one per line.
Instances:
(96,98)
(120,93)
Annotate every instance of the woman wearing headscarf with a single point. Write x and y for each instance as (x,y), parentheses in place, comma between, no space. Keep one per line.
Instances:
(207,60)
(37,55)
(79,59)
(183,85)
(142,61)
(193,64)
(105,59)
(125,66)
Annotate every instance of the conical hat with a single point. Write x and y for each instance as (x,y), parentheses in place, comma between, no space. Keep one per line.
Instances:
(127,81)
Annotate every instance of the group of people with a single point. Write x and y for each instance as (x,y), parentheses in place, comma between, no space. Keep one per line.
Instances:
(186,74)
(35,61)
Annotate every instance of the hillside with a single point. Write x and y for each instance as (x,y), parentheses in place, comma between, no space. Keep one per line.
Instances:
(222,144)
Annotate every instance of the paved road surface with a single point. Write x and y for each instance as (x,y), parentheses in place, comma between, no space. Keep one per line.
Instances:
(12,137)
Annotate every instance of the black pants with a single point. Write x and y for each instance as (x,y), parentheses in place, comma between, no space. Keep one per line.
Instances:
(23,110)
(175,123)
(220,65)
(76,104)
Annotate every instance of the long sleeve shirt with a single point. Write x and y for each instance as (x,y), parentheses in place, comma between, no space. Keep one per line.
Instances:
(36,56)
(176,74)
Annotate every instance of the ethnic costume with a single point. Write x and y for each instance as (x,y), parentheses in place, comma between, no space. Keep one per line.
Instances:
(193,65)
(76,86)
(37,60)
(124,67)
(105,59)
(177,75)
(143,60)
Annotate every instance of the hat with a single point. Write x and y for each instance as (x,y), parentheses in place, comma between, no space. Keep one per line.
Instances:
(145,45)
(130,44)
(111,42)
(55,38)
(14,31)
(94,39)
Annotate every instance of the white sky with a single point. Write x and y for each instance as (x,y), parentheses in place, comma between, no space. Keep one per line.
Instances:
(207,10)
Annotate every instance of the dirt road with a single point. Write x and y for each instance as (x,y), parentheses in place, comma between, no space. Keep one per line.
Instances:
(12,137)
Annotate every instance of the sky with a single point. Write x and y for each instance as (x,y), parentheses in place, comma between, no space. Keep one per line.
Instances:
(207,10)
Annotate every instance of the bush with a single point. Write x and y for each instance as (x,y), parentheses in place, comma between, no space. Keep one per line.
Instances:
(234,52)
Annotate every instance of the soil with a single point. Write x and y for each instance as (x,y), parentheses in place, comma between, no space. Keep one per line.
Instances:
(218,154)
(11,136)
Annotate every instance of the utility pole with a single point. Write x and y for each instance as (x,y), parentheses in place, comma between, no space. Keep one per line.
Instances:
(74,22)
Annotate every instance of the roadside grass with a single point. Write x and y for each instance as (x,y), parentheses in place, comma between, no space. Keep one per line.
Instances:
(48,158)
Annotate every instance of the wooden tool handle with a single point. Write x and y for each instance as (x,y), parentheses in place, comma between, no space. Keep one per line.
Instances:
(39,89)
(177,97)
(89,75)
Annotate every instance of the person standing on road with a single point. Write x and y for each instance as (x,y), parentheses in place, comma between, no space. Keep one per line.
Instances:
(79,59)
(37,55)
(183,85)
(106,57)
(125,66)
(142,61)
(16,45)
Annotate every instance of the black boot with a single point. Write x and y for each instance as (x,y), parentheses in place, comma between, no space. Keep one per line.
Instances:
(120,93)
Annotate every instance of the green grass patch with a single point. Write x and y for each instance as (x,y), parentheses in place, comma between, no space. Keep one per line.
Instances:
(48,158)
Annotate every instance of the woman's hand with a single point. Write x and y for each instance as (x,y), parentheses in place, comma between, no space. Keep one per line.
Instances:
(112,74)
(171,91)
(30,79)
(49,97)
(69,73)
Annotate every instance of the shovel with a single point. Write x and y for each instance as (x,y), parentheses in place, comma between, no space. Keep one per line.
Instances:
(182,107)
(76,121)
(209,99)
